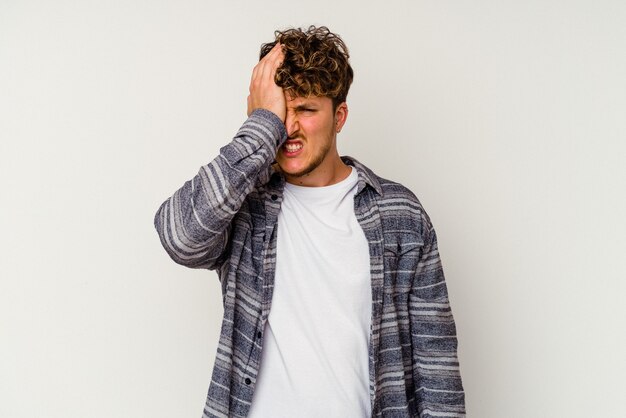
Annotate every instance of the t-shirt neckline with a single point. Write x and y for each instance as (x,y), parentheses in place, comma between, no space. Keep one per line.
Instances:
(350,180)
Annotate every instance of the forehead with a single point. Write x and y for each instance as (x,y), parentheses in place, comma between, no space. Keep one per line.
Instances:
(307,101)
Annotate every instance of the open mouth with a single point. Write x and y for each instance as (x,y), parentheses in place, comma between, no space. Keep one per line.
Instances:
(292,148)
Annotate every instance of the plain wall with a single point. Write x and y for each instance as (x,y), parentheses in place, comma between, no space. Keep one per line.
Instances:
(506,118)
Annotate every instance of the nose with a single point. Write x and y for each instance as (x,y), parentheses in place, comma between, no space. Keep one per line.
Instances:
(291,123)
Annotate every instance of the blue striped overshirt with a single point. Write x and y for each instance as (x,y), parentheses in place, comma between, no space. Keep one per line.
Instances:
(224,219)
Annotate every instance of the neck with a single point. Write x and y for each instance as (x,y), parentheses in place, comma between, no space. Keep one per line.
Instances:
(332,170)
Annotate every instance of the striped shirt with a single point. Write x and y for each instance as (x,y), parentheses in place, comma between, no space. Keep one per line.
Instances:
(225,219)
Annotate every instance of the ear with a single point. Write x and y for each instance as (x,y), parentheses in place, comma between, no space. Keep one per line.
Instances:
(341,114)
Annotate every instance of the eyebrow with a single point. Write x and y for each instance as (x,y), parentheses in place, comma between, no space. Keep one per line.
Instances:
(304,106)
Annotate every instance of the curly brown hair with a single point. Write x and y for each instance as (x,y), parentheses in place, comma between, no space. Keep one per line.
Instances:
(315,64)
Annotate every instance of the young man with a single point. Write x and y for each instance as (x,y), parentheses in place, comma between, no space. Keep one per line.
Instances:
(335,302)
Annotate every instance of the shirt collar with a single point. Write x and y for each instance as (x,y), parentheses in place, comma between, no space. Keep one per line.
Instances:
(366,176)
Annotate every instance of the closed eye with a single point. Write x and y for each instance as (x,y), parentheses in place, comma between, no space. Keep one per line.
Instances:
(306,109)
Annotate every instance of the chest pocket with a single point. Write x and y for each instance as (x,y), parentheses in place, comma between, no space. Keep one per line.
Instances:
(400,262)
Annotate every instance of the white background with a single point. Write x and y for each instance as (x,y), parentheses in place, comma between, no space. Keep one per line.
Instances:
(506,118)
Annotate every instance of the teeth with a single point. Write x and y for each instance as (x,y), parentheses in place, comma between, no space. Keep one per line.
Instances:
(293,148)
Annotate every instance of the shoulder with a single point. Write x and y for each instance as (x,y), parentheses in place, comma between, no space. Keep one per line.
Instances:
(401,206)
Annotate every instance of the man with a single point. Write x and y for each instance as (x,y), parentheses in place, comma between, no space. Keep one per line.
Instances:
(335,302)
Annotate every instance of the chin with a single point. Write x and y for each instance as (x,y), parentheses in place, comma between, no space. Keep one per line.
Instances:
(295,171)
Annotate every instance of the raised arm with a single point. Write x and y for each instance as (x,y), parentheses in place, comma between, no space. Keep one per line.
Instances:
(194,223)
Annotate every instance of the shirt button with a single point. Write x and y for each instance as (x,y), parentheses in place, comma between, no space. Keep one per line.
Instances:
(274,197)
(248,381)
(258,334)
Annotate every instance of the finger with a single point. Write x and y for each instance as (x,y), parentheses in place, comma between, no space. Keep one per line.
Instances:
(261,65)
(265,70)
(258,73)
(273,56)
(254,76)
(275,48)
(277,54)
(265,64)
(275,61)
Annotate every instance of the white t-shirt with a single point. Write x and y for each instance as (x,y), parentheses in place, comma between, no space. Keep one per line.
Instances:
(315,352)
